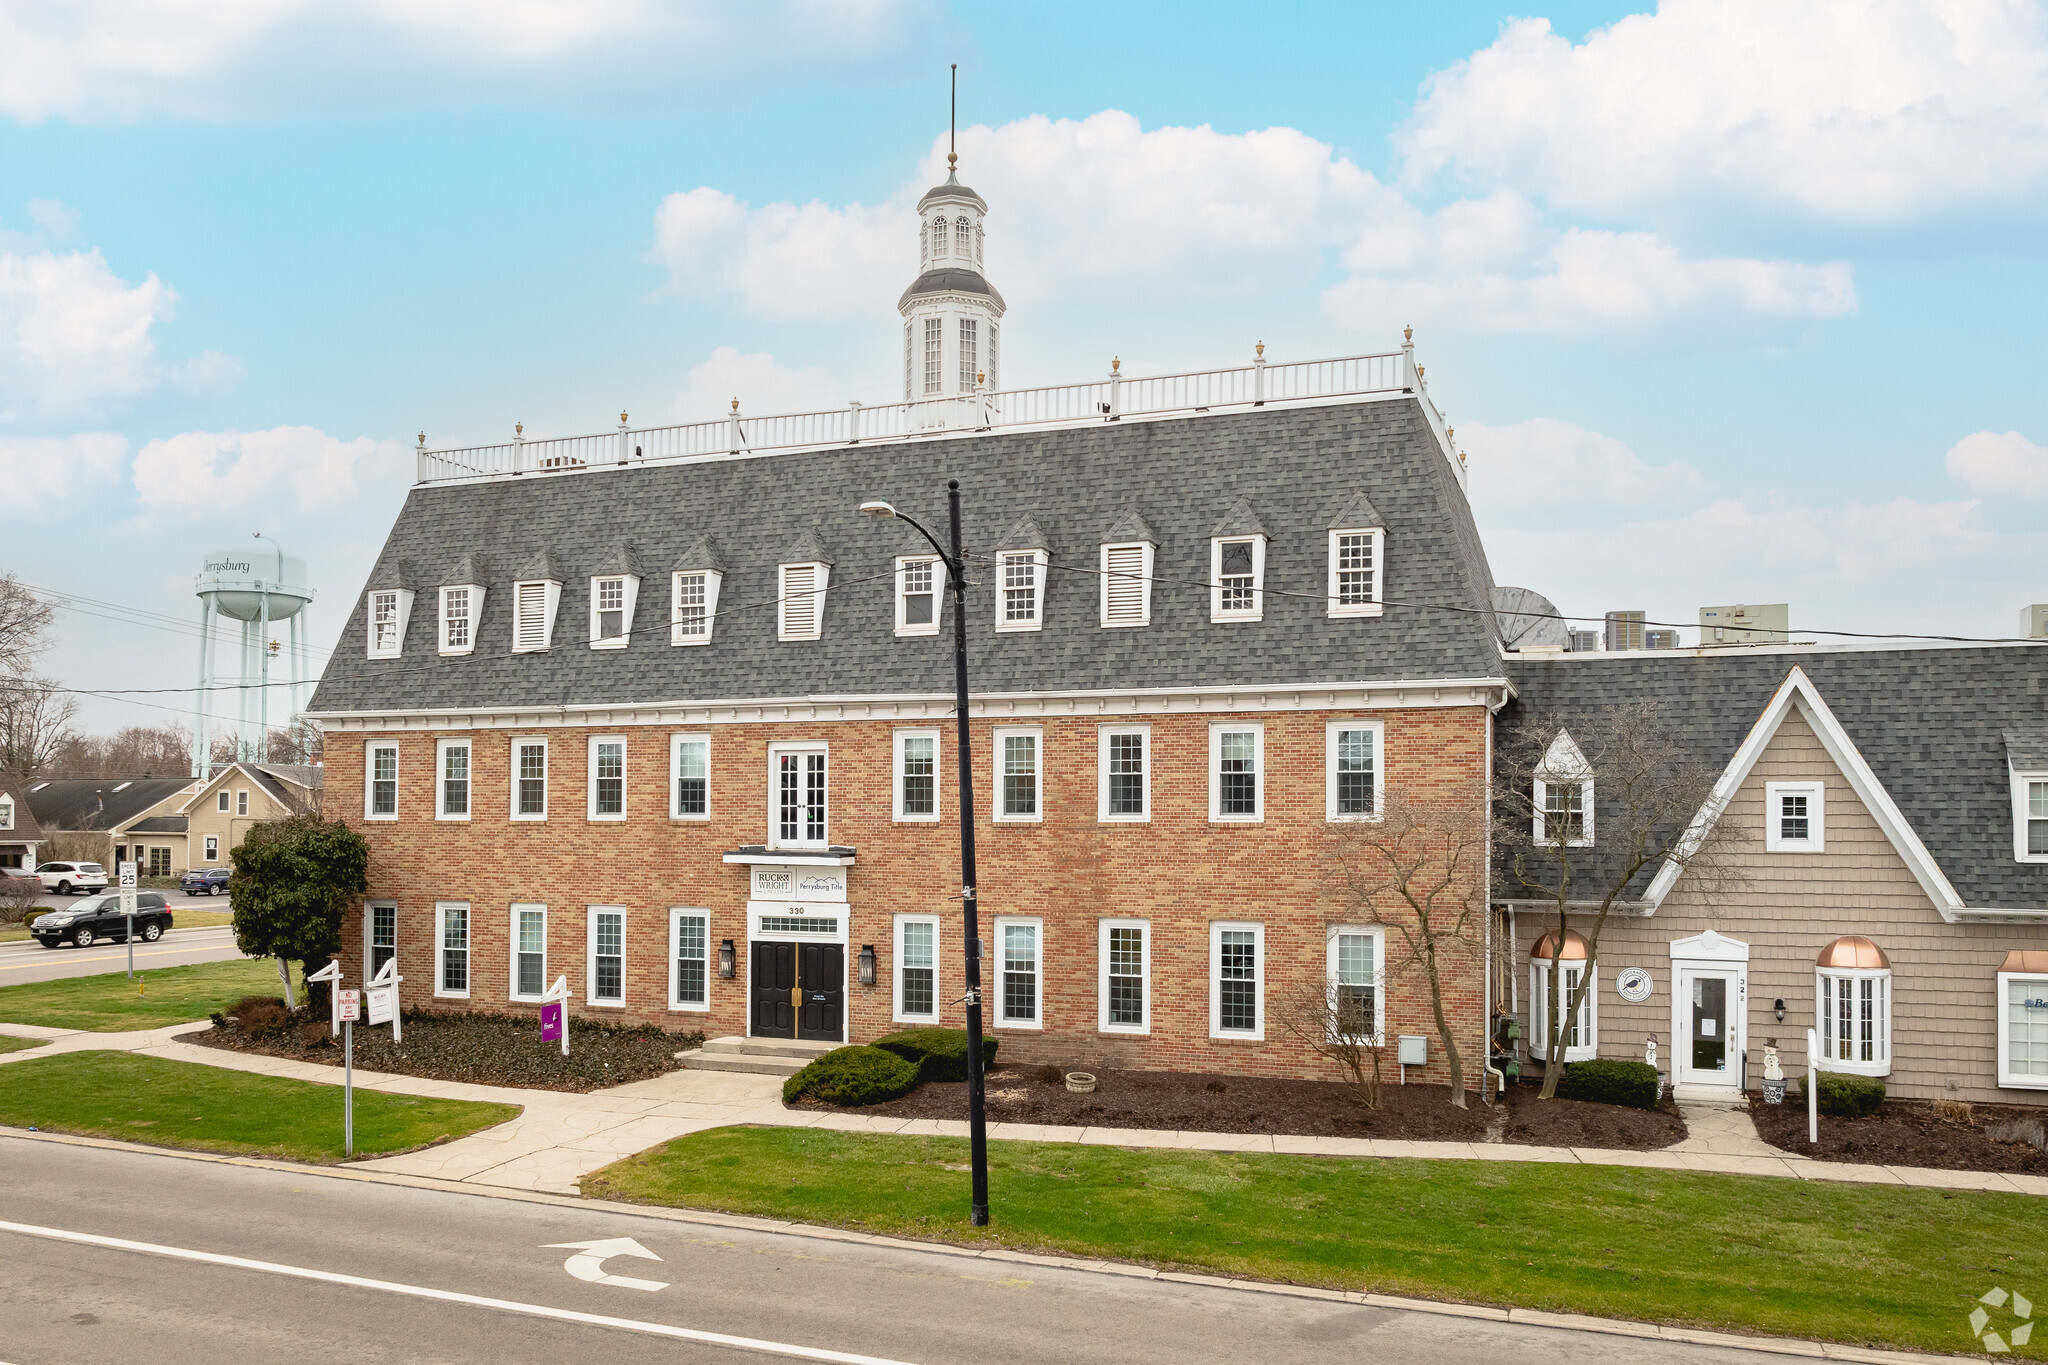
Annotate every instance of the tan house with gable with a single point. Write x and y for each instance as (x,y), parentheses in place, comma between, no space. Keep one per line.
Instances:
(239,797)
(168,825)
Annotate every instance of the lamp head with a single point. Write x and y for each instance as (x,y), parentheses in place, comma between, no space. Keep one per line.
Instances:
(875,507)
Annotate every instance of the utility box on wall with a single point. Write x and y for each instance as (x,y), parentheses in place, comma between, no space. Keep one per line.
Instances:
(1414,1050)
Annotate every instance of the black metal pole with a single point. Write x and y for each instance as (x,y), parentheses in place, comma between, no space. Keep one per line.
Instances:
(977,1118)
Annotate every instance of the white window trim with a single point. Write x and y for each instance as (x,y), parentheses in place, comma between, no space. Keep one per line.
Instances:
(896,1013)
(547,778)
(2019,816)
(512,951)
(1379,571)
(213,848)
(1564,763)
(939,585)
(404,596)
(370,748)
(1258,931)
(474,615)
(551,602)
(441,909)
(2007,1080)
(822,580)
(241,802)
(1037,927)
(1039,560)
(1102,813)
(1216,732)
(896,746)
(6,812)
(775,752)
(1258,607)
(1816,812)
(1883,1065)
(1379,769)
(590,957)
(1001,733)
(676,914)
(370,908)
(590,780)
(630,584)
(712,579)
(1378,934)
(221,804)
(1539,1011)
(675,760)
(1102,929)
(1144,583)
(442,748)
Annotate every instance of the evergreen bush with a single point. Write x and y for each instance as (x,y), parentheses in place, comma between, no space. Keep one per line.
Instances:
(1606,1080)
(852,1076)
(939,1054)
(1846,1096)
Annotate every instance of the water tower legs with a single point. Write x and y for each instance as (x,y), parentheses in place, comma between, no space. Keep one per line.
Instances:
(203,719)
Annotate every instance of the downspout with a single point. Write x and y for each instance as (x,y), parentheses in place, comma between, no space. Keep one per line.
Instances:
(1486,891)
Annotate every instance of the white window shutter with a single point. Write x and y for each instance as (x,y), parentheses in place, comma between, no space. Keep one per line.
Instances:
(803,602)
(1126,585)
(533,615)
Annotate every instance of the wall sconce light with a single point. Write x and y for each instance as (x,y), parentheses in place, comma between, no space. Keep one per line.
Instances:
(867,964)
(725,960)
(1778,1009)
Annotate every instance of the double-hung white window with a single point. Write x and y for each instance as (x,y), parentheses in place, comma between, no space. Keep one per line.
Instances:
(451,780)
(451,949)
(690,777)
(380,782)
(1019,972)
(1355,571)
(389,608)
(608,777)
(1020,595)
(1855,1014)
(693,606)
(529,952)
(916,766)
(606,979)
(1351,780)
(689,979)
(918,581)
(797,807)
(1563,798)
(1793,817)
(801,608)
(529,779)
(970,339)
(917,968)
(1356,957)
(221,804)
(241,803)
(1127,584)
(1237,980)
(611,610)
(1018,793)
(1124,789)
(1237,776)
(1124,990)
(2023,1022)
(213,848)
(1237,578)
(2030,817)
(380,935)
(459,607)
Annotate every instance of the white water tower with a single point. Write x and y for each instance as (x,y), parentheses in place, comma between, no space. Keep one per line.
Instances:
(259,587)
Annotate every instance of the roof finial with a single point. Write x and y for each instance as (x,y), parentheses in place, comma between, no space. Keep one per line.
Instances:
(953,131)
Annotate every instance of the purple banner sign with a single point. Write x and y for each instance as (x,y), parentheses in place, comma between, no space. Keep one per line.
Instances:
(551,1022)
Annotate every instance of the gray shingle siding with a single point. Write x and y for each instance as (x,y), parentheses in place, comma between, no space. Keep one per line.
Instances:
(1296,465)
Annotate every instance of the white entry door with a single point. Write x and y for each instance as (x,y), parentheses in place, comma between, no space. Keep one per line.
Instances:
(1710,1005)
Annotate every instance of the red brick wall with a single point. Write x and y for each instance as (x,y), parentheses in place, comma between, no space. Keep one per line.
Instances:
(1179,871)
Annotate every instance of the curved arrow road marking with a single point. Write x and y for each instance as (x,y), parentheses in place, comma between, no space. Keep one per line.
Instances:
(588,1262)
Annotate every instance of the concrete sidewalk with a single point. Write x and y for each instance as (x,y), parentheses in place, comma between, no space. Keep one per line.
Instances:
(559,1138)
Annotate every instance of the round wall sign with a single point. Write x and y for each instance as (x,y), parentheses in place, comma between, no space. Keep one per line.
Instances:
(1633,984)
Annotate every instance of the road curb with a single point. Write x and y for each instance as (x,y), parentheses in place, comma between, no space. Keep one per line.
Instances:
(1527,1317)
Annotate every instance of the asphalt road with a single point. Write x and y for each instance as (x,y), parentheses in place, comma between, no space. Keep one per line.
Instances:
(31,961)
(344,1270)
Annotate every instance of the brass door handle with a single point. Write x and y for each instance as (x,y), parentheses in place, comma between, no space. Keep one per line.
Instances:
(796,997)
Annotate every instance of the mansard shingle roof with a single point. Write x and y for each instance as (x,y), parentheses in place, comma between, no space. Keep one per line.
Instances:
(1129,526)
(702,555)
(1240,520)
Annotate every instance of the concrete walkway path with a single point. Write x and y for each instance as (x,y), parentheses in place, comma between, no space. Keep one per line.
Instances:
(559,1137)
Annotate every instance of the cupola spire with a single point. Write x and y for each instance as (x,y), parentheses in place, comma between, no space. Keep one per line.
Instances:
(953,131)
(952,316)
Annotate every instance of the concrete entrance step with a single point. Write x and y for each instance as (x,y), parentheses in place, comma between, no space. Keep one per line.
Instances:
(761,1056)
(770,1047)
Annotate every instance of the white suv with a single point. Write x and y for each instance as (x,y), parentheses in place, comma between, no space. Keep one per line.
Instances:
(65,878)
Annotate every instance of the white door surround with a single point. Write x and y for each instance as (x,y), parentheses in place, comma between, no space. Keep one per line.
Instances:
(1709,1011)
(799,903)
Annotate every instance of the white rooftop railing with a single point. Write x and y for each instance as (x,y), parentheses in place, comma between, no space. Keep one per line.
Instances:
(1112,399)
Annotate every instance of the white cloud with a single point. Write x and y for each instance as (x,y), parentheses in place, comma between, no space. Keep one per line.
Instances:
(73,334)
(37,470)
(786,262)
(228,59)
(53,216)
(761,385)
(1854,109)
(1547,463)
(1988,462)
(227,470)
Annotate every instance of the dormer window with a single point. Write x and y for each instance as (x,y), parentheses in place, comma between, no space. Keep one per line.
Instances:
(1564,796)
(1237,577)
(802,607)
(917,595)
(533,615)
(611,610)
(461,608)
(389,608)
(1020,602)
(695,606)
(1355,578)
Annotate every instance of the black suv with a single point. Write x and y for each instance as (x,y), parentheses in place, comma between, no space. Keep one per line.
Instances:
(100,920)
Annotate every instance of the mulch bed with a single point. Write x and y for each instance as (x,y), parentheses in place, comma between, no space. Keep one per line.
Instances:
(1250,1104)
(479,1049)
(1908,1133)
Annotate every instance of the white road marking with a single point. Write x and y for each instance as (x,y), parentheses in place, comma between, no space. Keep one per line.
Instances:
(588,1263)
(536,1310)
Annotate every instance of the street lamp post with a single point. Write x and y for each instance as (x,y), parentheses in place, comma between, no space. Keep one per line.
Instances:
(956,571)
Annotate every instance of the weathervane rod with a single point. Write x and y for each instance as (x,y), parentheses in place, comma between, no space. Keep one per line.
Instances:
(953,122)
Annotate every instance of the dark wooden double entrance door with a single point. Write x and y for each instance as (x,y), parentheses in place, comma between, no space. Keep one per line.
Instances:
(799,991)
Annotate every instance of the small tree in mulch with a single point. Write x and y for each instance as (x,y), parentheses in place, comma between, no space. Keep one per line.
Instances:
(1337,1024)
(1426,865)
(294,879)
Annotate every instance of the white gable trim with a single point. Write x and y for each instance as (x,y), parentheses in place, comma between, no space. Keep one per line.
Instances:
(1712,946)
(1798,690)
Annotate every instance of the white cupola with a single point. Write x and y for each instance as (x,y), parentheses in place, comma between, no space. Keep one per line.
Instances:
(952,315)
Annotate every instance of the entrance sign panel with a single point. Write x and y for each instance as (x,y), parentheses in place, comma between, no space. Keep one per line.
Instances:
(380,998)
(772,882)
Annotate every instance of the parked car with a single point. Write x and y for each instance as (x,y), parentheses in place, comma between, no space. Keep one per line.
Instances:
(205,881)
(100,920)
(65,878)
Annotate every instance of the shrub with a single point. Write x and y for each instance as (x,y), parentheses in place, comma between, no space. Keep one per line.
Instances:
(259,1014)
(1051,1075)
(1846,1096)
(31,916)
(939,1054)
(852,1076)
(1605,1080)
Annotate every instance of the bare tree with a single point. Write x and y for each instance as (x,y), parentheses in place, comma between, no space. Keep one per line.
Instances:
(1592,806)
(27,624)
(20,892)
(1426,866)
(35,723)
(1336,1022)
(132,751)
(298,742)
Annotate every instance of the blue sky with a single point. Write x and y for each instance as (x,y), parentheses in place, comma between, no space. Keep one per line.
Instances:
(1728,302)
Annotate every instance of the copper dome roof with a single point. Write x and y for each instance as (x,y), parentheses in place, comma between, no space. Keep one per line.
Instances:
(1574,946)
(1852,950)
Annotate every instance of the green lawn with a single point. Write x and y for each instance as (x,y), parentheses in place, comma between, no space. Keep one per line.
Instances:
(17,1044)
(185,1104)
(109,1002)
(1864,1264)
